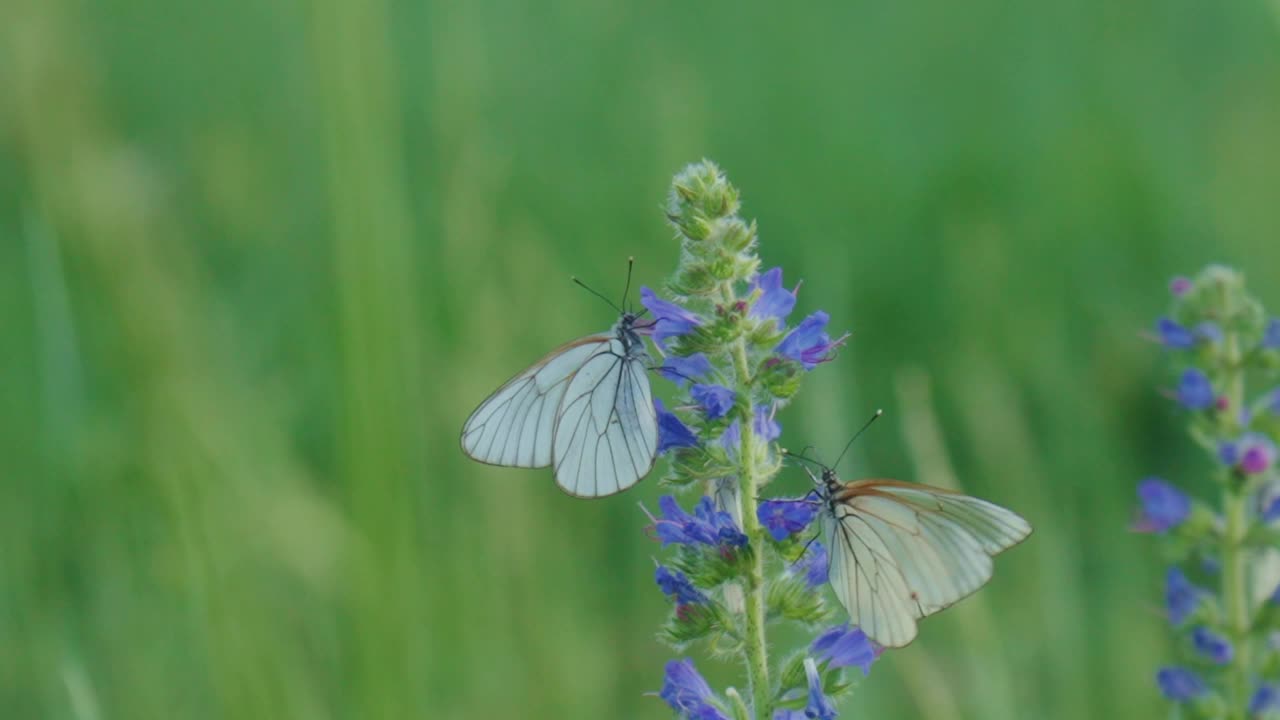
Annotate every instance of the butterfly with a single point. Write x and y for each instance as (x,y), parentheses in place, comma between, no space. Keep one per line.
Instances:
(585,409)
(899,552)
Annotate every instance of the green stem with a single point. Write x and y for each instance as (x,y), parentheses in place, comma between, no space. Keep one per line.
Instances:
(754,643)
(1235,579)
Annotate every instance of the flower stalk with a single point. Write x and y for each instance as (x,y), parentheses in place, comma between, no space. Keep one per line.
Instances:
(1235,574)
(755,647)
(1222,340)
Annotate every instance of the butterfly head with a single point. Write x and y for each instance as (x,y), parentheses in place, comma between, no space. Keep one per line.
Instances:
(830,480)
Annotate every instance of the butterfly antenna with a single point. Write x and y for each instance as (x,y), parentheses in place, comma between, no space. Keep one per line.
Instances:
(849,444)
(593,292)
(801,456)
(626,292)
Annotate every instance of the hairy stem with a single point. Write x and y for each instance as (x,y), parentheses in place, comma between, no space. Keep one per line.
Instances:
(1235,580)
(755,646)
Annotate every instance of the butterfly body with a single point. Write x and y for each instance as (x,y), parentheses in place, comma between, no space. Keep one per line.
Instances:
(585,409)
(899,552)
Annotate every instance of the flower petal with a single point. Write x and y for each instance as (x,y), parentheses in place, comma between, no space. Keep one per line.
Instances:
(672,433)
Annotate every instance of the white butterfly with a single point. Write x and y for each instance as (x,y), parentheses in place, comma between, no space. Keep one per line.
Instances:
(899,552)
(585,408)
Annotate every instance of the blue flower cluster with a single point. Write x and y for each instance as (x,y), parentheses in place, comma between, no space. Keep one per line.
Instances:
(706,526)
(737,564)
(1220,338)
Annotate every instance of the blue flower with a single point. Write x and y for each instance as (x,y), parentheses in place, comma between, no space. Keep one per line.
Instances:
(731,439)
(775,301)
(706,526)
(671,432)
(678,585)
(789,715)
(1271,510)
(721,523)
(1195,392)
(1265,698)
(1212,645)
(812,565)
(1180,684)
(716,400)
(809,343)
(1180,596)
(844,647)
(669,319)
(765,427)
(762,423)
(819,706)
(783,518)
(1274,405)
(681,370)
(1271,337)
(687,693)
(1163,506)
(1208,332)
(1174,335)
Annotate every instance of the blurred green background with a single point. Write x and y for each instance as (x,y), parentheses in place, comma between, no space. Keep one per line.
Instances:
(258,261)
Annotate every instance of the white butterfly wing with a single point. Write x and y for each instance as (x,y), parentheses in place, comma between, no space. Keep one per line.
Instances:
(900,552)
(516,424)
(606,435)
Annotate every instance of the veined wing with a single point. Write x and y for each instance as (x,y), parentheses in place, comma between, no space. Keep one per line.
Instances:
(906,551)
(728,497)
(515,425)
(606,434)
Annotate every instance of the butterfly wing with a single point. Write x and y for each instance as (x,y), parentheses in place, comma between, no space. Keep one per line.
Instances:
(516,424)
(903,551)
(606,435)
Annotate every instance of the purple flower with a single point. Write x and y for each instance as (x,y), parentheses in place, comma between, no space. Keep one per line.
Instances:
(812,565)
(783,518)
(706,526)
(1180,596)
(1163,506)
(1179,684)
(819,706)
(1212,645)
(687,693)
(765,427)
(1271,336)
(809,343)
(842,646)
(669,319)
(1195,392)
(677,585)
(671,432)
(775,301)
(1265,698)
(1252,454)
(1174,335)
(1179,286)
(681,370)
(716,400)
